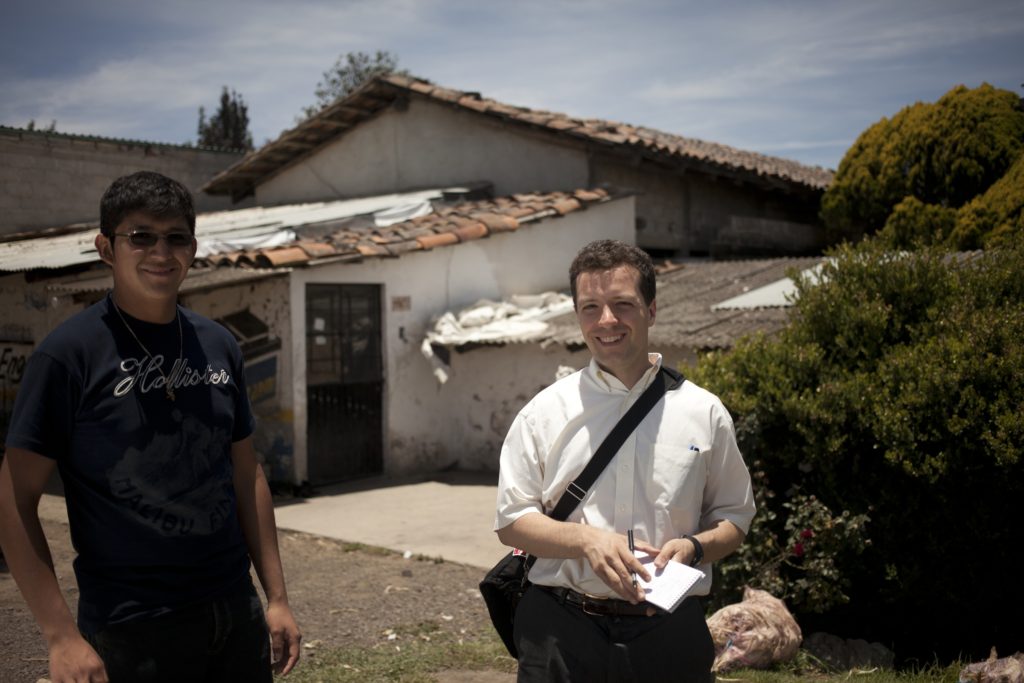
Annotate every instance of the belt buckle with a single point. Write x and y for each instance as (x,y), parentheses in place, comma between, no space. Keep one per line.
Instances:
(586,604)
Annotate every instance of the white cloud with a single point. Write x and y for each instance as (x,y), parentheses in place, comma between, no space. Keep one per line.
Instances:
(796,77)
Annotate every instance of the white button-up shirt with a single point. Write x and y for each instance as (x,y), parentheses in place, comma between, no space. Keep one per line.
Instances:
(678,473)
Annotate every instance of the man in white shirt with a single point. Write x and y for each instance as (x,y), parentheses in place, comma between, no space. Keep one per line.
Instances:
(678,482)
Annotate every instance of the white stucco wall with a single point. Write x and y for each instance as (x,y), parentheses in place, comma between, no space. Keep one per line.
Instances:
(429,145)
(423,429)
(489,385)
(486,389)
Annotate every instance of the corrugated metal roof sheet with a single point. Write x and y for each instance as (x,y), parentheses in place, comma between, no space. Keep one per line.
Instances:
(687,297)
(773,295)
(687,315)
(59,251)
(264,227)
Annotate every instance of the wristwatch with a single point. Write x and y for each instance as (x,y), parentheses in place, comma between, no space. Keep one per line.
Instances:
(698,549)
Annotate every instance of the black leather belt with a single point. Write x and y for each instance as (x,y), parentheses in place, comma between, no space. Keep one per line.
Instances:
(602,607)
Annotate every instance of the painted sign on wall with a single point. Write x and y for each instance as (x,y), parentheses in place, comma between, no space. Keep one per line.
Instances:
(261,378)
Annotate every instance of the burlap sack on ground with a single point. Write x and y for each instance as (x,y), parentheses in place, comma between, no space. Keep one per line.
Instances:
(753,633)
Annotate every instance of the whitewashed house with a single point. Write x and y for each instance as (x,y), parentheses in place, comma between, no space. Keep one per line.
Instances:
(694,198)
(332,280)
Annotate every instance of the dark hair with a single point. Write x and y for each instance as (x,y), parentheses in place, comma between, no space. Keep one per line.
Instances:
(608,254)
(146,191)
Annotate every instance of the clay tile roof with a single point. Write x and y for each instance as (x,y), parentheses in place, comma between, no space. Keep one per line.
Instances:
(567,205)
(372,97)
(473,103)
(497,222)
(447,225)
(297,235)
(520,211)
(316,249)
(422,86)
(472,230)
(590,195)
(367,249)
(437,240)
(403,247)
(282,256)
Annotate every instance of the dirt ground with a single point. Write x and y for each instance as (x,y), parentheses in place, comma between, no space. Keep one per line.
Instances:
(341,594)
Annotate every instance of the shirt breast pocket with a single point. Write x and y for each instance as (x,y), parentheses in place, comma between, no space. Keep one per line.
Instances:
(676,476)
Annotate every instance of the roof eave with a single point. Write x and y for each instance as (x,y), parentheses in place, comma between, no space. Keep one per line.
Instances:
(239,180)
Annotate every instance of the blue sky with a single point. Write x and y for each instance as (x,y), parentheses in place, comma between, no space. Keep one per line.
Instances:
(792,78)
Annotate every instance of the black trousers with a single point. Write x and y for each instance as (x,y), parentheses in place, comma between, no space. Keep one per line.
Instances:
(559,642)
(221,641)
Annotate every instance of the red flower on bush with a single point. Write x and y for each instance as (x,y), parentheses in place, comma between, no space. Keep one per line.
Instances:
(798,549)
(806,533)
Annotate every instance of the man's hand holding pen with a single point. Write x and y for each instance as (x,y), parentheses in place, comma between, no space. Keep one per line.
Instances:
(614,563)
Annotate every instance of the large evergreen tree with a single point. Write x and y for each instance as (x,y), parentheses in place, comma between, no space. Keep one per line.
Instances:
(229,127)
(911,173)
(349,72)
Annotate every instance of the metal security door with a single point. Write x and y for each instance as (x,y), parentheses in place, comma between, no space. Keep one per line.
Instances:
(344,381)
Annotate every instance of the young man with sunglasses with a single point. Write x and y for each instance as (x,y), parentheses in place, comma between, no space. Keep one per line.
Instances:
(141,406)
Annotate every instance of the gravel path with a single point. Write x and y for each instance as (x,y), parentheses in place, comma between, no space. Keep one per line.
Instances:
(342,594)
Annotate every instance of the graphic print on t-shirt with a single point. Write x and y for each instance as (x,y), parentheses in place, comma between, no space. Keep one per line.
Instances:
(145,374)
(175,484)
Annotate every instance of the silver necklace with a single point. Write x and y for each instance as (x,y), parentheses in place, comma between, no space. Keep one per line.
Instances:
(181,347)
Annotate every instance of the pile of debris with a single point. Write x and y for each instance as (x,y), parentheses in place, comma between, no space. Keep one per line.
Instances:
(760,631)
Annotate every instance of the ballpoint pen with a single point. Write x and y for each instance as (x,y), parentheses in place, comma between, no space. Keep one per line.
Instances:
(629,536)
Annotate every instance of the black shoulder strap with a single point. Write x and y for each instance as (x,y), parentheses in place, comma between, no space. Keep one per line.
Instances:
(666,380)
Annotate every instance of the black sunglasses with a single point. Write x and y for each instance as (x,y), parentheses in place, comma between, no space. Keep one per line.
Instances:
(143,238)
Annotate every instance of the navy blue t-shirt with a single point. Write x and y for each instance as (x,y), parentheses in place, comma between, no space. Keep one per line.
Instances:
(147,480)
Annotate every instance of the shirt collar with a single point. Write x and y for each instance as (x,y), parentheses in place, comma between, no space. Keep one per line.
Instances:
(611,383)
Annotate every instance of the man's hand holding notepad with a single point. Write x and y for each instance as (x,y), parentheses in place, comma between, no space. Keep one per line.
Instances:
(669,586)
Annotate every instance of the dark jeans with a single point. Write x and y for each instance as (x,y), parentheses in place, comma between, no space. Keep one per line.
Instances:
(559,642)
(222,640)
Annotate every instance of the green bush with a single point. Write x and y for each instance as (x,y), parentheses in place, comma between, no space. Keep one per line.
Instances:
(913,223)
(996,217)
(943,154)
(896,394)
(804,564)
